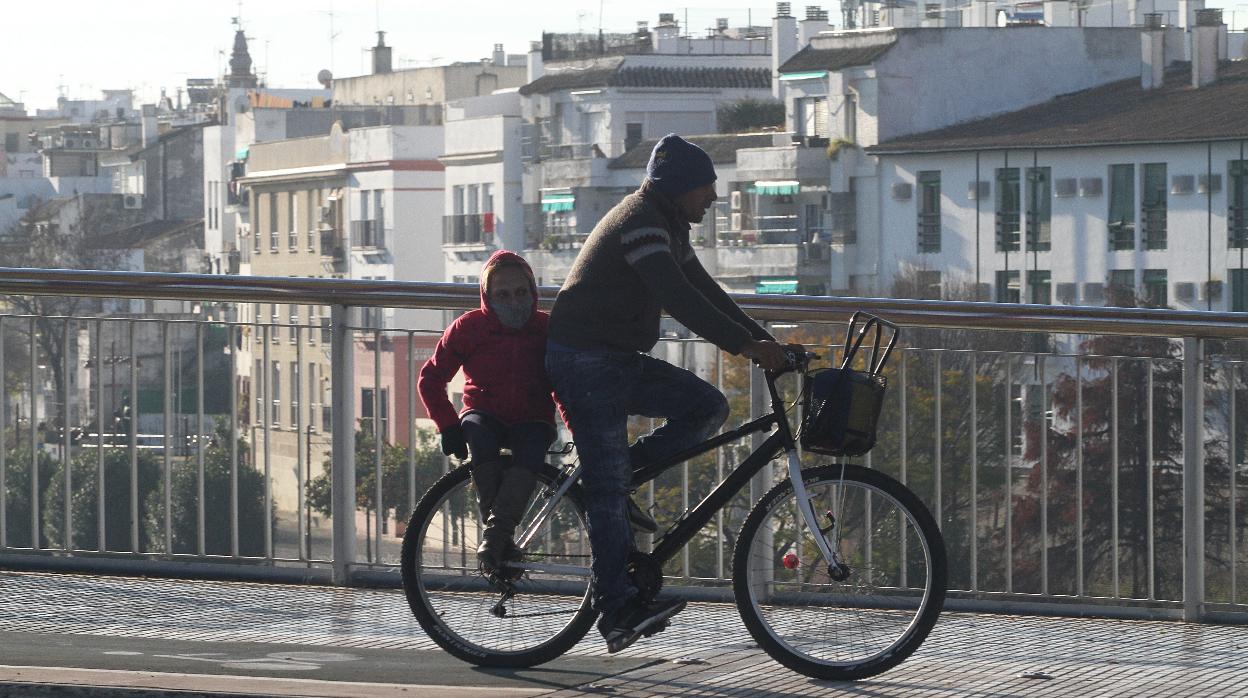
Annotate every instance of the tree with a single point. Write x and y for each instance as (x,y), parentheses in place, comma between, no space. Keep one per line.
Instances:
(85,499)
(17,493)
(396,470)
(40,240)
(748,115)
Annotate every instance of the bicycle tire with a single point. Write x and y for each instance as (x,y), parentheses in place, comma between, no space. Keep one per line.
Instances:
(451,599)
(875,618)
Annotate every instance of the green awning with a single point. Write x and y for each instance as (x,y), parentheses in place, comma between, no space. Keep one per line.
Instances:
(777,187)
(809,75)
(241,153)
(781,286)
(552,203)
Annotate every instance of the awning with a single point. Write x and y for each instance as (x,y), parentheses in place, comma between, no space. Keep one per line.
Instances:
(241,153)
(777,187)
(781,286)
(809,75)
(553,202)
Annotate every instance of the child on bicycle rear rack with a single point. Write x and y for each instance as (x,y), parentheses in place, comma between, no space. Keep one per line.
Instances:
(501,347)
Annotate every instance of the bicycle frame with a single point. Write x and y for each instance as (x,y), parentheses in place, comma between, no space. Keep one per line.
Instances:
(698,516)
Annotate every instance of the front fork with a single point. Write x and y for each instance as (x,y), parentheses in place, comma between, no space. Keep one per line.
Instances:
(837,569)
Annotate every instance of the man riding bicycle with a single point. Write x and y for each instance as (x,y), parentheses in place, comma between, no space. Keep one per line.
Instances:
(637,263)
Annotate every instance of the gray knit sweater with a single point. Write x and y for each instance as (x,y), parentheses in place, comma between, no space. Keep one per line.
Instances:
(636,264)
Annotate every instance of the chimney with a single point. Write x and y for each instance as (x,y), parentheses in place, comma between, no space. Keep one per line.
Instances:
(500,56)
(666,33)
(1206,36)
(150,129)
(381,55)
(815,22)
(1187,12)
(1057,13)
(535,61)
(783,43)
(1152,52)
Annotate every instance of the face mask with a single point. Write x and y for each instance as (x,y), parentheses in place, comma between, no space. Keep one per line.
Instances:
(512,315)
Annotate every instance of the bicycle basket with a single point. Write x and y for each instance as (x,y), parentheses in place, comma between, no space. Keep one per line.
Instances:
(842,405)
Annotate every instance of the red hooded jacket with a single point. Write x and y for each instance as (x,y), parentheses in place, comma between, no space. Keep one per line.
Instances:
(504,368)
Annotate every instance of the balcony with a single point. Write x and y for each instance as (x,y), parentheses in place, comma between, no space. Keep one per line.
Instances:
(333,252)
(368,234)
(468,229)
(1032,440)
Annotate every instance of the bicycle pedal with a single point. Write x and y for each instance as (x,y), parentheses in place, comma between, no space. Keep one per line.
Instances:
(656,629)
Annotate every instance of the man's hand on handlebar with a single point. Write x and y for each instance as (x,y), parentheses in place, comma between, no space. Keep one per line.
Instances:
(772,356)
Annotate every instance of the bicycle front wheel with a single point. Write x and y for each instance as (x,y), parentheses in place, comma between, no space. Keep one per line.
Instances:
(852,621)
(524,622)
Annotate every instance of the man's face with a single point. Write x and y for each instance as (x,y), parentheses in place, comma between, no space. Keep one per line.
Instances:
(693,204)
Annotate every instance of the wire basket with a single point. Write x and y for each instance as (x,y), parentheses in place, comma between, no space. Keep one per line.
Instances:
(842,404)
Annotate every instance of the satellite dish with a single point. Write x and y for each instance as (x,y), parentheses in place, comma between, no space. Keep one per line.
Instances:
(325,77)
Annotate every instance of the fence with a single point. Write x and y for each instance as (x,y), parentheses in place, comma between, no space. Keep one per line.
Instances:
(1077,458)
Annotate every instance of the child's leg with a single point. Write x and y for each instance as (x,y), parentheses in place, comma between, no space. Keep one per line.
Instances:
(528,443)
(483,436)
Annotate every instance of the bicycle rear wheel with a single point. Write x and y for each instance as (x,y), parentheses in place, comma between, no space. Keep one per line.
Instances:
(892,591)
(522,623)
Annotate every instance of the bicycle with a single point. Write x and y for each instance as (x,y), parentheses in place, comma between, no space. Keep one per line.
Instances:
(851,602)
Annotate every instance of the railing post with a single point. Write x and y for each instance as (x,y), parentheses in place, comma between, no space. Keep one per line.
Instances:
(1193,480)
(342,387)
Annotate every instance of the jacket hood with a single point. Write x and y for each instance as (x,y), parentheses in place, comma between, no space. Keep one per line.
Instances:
(505,258)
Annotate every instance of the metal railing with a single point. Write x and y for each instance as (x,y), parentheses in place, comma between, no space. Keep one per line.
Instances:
(468,229)
(369,233)
(1078,459)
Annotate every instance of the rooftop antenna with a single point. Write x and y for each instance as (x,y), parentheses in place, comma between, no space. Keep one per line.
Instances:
(332,34)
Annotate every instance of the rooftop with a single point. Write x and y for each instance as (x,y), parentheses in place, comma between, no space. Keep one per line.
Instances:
(1120,112)
(141,235)
(614,73)
(833,59)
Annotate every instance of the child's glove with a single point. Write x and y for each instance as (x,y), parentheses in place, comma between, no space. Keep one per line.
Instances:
(453,443)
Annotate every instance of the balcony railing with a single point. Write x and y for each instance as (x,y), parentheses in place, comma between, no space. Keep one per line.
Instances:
(1081,460)
(929,232)
(1122,235)
(1237,226)
(468,229)
(368,234)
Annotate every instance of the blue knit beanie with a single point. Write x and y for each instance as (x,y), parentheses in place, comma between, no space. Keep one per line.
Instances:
(677,166)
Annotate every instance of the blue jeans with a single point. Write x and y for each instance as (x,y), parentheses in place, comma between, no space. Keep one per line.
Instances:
(599,390)
(528,441)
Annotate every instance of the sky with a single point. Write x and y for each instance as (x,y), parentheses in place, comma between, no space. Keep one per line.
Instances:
(149,44)
(85,46)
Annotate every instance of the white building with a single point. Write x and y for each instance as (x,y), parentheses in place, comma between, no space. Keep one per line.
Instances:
(1139,184)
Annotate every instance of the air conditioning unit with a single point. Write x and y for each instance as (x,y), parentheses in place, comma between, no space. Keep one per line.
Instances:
(814,250)
(132,201)
(1185,291)
(1182,184)
(71,142)
(1209,184)
(978,190)
(1090,187)
(1065,187)
(1066,292)
(1093,292)
(902,191)
(735,200)
(1213,291)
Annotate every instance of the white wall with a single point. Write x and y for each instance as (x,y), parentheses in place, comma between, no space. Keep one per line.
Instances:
(1080,252)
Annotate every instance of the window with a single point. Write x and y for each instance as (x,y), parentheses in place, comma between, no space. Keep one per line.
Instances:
(275,394)
(1153,206)
(311,212)
(259,380)
(929,211)
(1155,288)
(1039,209)
(813,116)
(1007,287)
(379,218)
(1237,204)
(1239,290)
(382,421)
(1007,209)
(313,324)
(1122,287)
(292,230)
(276,321)
(632,135)
(272,197)
(11,142)
(1040,287)
(327,332)
(1121,207)
(292,329)
(314,396)
(295,387)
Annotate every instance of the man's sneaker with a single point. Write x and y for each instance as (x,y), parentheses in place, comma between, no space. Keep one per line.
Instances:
(640,519)
(637,619)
